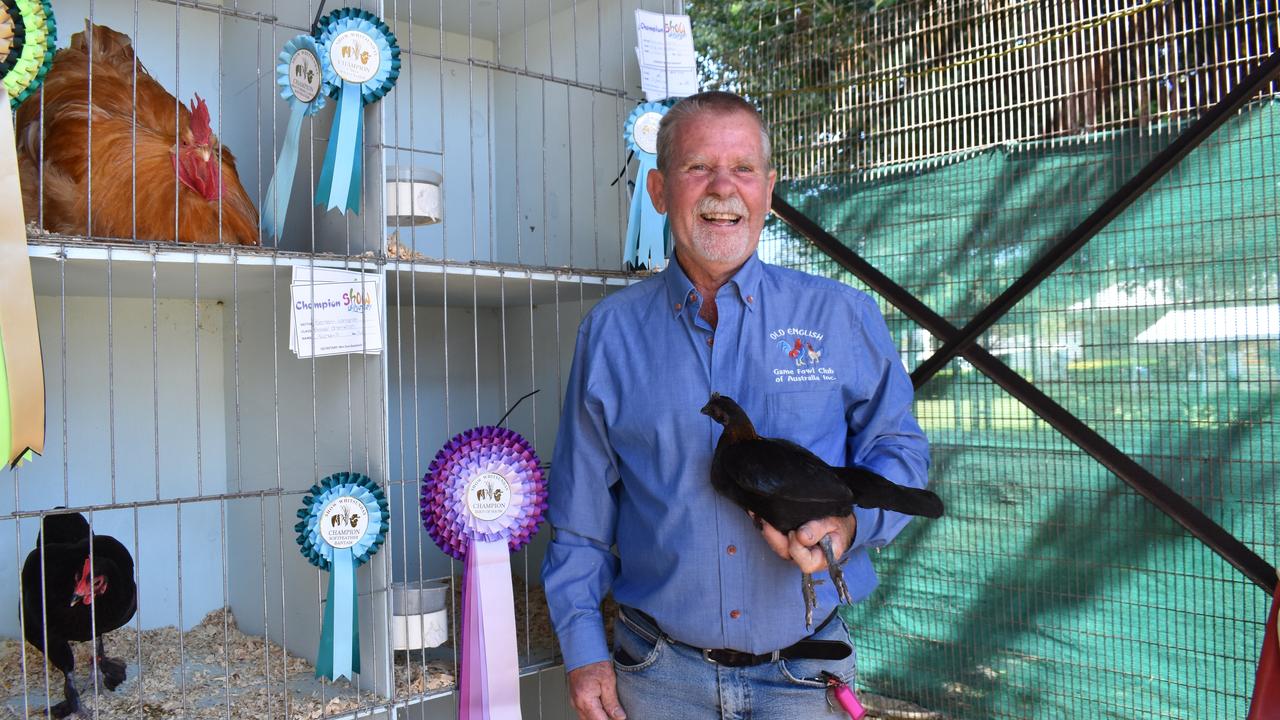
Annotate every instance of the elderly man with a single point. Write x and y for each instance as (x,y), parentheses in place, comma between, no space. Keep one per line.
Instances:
(712,624)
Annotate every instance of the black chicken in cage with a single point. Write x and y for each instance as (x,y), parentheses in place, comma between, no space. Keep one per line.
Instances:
(87,591)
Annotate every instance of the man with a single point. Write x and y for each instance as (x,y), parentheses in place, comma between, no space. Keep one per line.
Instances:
(705,605)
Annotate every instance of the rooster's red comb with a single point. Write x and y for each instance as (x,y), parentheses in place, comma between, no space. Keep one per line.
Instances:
(201,130)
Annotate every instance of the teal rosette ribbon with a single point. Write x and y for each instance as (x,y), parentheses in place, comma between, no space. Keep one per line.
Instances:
(646,241)
(361,61)
(343,524)
(303,87)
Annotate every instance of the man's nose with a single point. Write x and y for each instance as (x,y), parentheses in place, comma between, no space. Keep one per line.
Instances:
(721,183)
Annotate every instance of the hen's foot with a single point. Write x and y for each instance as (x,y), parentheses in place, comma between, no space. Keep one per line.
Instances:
(112,672)
(807,585)
(833,569)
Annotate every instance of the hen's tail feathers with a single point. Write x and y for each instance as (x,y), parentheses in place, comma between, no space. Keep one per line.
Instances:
(103,44)
(874,491)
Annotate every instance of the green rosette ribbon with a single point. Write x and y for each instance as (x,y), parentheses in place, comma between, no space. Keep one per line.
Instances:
(361,61)
(343,524)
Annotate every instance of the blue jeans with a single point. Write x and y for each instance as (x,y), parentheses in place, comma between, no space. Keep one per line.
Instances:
(661,680)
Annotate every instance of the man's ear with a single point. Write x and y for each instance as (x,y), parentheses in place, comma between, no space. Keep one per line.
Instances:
(655,184)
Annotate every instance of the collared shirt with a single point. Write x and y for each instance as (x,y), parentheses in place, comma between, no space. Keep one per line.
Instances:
(809,359)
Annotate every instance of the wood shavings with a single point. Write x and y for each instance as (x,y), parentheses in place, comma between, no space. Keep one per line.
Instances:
(212,671)
(34,230)
(400,252)
(397,251)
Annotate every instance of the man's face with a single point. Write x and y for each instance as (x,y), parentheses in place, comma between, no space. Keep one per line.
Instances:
(716,190)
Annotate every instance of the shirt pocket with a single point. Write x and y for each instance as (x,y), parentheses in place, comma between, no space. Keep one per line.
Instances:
(813,419)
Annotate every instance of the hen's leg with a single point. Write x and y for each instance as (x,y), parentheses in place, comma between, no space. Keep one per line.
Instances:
(71,702)
(807,585)
(111,670)
(837,576)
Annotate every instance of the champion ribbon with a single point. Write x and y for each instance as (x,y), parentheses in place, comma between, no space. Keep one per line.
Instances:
(482,499)
(343,524)
(646,240)
(361,61)
(27,35)
(302,85)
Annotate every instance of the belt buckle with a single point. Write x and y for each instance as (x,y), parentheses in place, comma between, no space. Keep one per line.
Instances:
(706,655)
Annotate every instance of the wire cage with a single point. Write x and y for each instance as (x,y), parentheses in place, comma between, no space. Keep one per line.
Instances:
(181,422)
(952,145)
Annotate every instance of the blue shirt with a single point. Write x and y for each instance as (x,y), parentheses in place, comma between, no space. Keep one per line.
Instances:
(809,359)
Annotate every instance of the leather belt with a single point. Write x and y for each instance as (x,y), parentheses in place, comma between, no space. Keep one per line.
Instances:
(807,648)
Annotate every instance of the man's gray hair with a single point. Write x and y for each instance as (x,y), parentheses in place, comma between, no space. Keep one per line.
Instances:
(713,101)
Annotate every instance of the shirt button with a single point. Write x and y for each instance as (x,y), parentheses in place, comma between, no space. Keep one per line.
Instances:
(693,297)
(677,306)
(735,614)
(711,341)
(751,299)
(732,549)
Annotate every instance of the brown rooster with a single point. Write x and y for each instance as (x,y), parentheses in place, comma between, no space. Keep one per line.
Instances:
(166,143)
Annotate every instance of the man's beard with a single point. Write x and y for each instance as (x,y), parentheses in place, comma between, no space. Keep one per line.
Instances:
(714,246)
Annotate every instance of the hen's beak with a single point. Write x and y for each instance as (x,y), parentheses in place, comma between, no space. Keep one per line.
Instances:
(706,409)
(83,592)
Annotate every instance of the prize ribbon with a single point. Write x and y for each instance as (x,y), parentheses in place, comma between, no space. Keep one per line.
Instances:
(361,61)
(482,499)
(344,522)
(302,85)
(646,228)
(31,35)
(27,34)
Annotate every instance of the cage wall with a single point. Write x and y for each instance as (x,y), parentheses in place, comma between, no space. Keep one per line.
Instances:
(950,144)
(182,424)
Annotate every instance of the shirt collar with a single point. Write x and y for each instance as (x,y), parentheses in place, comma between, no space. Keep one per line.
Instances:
(746,281)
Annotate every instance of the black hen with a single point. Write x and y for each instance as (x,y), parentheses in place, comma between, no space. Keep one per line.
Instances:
(83,597)
(785,485)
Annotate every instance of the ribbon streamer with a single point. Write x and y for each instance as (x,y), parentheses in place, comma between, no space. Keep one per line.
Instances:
(646,239)
(361,61)
(482,499)
(343,523)
(27,54)
(293,75)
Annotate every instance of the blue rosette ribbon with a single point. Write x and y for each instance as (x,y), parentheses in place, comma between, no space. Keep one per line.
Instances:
(305,94)
(343,524)
(361,61)
(646,240)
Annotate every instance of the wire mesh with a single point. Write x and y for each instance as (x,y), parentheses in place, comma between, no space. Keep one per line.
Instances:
(180,421)
(950,143)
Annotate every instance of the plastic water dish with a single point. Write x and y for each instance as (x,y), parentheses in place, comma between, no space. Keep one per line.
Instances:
(418,615)
(413,196)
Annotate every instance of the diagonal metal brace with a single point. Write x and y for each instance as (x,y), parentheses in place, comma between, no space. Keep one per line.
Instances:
(1061,251)
(1086,438)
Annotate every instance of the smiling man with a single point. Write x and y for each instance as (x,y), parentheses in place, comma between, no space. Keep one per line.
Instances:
(711,623)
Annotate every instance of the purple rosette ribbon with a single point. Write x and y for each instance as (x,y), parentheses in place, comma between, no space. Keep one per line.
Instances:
(482,499)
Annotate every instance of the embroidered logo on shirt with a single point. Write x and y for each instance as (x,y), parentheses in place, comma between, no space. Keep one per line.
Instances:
(802,350)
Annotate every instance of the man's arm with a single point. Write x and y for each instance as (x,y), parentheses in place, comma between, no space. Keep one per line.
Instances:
(579,567)
(884,436)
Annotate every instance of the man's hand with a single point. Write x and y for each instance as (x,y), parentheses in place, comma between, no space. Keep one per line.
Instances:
(801,545)
(593,690)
